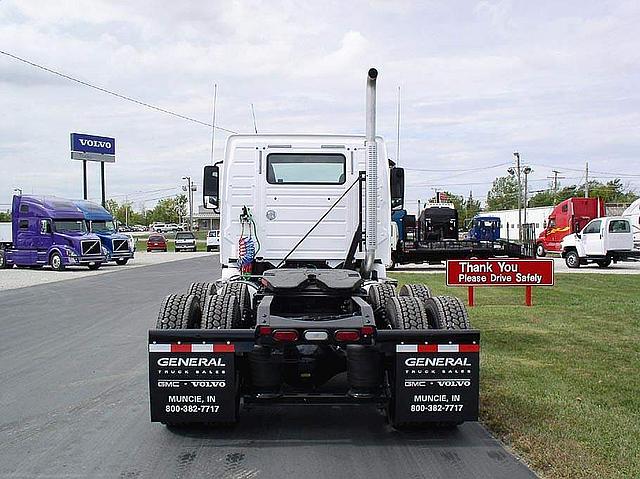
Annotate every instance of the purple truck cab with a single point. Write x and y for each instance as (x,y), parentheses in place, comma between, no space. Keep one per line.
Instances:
(49,230)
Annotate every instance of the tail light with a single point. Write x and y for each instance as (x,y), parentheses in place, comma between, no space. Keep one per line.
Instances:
(264,331)
(285,335)
(367,330)
(344,335)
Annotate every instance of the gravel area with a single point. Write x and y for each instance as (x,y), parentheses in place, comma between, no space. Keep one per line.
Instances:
(22,277)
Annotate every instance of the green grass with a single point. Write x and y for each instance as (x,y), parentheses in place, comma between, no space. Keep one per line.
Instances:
(560,381)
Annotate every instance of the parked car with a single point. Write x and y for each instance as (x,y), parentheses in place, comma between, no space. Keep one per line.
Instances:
(158,227)
(156,242)
(213,240)
(185,241)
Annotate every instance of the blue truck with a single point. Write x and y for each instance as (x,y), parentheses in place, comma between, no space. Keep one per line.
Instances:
(100,222)
(485,228)
(48,230)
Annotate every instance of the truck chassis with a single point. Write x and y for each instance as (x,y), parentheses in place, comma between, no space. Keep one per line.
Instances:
(217,349)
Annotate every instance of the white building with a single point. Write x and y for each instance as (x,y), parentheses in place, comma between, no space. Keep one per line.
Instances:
(509,220)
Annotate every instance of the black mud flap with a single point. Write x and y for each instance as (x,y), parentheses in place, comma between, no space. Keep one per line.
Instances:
(436,383)
(193,383)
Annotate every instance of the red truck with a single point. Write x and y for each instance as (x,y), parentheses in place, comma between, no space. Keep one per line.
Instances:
(567,217)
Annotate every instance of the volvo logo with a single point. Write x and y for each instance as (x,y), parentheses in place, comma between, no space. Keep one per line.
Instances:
(95,143)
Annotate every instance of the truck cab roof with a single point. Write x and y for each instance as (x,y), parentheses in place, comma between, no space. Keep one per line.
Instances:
(93,211)
(46,207)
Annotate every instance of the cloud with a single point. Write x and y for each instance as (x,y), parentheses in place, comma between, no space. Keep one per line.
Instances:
(555,81)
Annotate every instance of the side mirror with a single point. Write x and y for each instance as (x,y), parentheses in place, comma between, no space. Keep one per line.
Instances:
(211,187)
(578,235)
(397,188)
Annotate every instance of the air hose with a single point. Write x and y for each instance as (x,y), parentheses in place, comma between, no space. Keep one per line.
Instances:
(248,247)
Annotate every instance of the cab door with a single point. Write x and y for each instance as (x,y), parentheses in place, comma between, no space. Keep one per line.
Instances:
(592,238)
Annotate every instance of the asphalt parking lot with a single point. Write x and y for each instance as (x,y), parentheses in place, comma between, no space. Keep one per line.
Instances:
(74,401)
(22,277)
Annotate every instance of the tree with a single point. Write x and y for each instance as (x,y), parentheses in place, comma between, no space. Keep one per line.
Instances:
(5,216)
(167,210)
(611,192)
(503,194)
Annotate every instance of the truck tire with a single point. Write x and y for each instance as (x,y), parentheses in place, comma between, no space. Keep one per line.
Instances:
(94,266)
(406,312)
(604,263)
(420,291)
(179,311)
(202,290)
(446,312)
(3,260)
(540,251)
(572,259)
(241,291)
(55,261)
(221,312)
(122,261)
(379,295)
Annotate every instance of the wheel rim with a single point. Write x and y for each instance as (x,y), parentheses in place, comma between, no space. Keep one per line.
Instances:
(1,260)
(55,261)
(540,251)
(572,260)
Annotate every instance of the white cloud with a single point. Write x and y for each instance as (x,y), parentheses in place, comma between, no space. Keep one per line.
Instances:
(556,81)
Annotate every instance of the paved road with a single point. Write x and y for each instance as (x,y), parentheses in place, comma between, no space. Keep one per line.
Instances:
(73,402)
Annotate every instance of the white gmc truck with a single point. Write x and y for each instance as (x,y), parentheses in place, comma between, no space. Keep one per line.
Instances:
(601,241)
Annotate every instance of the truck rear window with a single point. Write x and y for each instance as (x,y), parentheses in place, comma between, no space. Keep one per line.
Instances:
(306,168)
(619,226)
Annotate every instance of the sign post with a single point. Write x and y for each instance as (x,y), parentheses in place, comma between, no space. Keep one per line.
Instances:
(93,148)
(500,272)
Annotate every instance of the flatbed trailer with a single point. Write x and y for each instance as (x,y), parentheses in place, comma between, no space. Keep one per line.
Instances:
(438,251)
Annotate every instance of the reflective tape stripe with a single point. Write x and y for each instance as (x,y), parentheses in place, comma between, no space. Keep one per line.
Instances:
(159,348)
(437,348)
(447,348)
(191,348)
(407,348)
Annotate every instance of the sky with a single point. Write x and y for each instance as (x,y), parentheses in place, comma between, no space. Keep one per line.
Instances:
(555,81)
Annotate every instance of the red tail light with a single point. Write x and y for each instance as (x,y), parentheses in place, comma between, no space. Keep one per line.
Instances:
(285,335)
(367,330)
(264,331)
(344,335)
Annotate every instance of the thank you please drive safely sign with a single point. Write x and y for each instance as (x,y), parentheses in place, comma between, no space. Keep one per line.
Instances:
(500,272)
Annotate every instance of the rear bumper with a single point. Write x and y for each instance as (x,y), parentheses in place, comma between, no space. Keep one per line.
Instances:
(200,375)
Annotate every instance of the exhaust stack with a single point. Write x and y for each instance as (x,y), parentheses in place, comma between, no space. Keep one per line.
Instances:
(371,170)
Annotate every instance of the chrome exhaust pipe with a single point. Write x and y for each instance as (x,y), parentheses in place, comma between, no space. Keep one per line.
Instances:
(371,170)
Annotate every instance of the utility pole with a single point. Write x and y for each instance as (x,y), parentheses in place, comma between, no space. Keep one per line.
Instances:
(189,188)
(517,172)
(555,183)
(526,170)
(586,181)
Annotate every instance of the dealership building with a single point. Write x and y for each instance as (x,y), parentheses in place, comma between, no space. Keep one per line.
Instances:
(207,219)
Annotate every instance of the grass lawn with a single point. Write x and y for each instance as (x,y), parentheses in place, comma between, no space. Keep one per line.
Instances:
(560,381)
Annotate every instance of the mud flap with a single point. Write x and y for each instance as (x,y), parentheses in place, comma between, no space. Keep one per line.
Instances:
(436,383)
(193,383)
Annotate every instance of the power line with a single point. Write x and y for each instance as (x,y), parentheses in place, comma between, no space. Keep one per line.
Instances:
(457,169)
(109,92)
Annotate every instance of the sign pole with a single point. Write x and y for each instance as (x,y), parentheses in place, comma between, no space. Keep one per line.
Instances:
(528,296)
(471,298)
(104,201)
(84,179)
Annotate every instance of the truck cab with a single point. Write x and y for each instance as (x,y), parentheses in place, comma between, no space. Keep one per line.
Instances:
(567,217)
(50,230)
(275,188)
(100,222)
(601,241)
(484,228)
(438,222)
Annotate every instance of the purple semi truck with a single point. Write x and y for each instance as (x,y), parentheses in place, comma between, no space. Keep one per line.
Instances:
(48,230)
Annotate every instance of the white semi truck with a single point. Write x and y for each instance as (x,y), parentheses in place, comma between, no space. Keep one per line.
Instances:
(304,312)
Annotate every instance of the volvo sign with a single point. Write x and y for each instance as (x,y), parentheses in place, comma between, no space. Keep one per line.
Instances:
(93,148)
